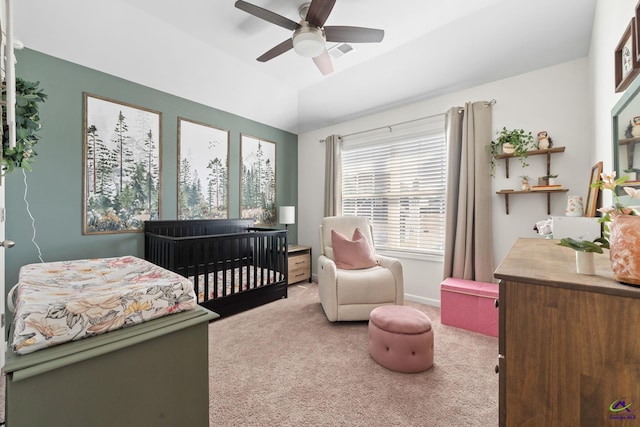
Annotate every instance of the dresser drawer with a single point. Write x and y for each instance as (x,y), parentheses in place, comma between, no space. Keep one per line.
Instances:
(299,261)
(299,268)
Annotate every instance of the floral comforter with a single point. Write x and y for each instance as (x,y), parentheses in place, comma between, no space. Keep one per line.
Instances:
(64,301)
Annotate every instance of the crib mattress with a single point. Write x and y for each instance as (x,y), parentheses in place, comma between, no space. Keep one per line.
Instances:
(57,302)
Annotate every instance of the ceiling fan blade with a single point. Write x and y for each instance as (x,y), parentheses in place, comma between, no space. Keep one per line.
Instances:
(353,34)
(319,11)
(323,62)
(277,50)
(267,15)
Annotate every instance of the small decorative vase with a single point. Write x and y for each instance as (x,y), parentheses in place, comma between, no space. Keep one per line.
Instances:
(574,206)
(624,241)
(526,186)
(585,263)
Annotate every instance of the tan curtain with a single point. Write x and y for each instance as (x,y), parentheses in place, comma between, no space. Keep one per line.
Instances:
(468,250)
(333,176)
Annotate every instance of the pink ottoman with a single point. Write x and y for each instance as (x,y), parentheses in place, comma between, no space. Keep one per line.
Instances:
(401,338)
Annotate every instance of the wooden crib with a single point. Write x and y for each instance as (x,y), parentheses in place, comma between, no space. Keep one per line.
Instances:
(233,266)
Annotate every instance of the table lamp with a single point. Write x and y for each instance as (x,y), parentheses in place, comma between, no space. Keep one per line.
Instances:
(287,215)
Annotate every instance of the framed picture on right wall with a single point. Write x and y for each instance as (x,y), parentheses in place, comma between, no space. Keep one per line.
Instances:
(626,64)
(637,33)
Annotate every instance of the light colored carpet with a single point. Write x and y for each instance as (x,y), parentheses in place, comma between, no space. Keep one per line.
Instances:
(284,364)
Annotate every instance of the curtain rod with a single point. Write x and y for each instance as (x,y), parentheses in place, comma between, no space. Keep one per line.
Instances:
(488,104)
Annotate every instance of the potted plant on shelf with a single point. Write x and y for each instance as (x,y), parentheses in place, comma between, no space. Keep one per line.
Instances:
(28,96)
(524,182)
(516,142)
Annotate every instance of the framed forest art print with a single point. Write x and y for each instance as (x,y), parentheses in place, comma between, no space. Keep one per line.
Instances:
(258,180)
(203,171)
(121,170)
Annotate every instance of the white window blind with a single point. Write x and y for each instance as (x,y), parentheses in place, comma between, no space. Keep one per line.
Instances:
(396,177)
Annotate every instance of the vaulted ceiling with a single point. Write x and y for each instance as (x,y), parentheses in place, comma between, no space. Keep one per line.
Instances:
(206,50)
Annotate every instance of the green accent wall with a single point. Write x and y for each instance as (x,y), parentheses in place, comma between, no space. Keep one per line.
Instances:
(55,184)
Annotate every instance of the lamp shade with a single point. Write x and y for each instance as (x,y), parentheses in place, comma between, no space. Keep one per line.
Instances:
(287,214)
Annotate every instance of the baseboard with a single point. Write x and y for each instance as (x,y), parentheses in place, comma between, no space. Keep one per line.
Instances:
(422,300)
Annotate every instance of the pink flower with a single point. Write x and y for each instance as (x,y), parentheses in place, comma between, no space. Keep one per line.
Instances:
(606,210)
(609,180)
(633,192)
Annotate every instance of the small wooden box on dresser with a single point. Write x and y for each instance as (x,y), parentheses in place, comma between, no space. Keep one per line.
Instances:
(569,350)
(299,263)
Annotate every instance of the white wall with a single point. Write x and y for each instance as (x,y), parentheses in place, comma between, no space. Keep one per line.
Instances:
(611,20)
(555,99)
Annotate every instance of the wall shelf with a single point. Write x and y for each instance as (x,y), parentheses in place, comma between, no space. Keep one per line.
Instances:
(547,152)
(507,193)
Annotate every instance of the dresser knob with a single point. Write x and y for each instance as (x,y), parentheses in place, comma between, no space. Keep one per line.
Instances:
(497,368)
(496,303)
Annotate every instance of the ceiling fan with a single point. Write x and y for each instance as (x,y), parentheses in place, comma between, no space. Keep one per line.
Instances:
(309,35)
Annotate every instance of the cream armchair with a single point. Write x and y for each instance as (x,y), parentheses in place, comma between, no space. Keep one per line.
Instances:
(352,294)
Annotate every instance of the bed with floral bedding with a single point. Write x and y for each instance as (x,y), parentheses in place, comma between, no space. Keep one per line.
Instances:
(63,301)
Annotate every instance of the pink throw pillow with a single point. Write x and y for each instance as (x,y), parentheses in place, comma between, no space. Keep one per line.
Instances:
(352,254)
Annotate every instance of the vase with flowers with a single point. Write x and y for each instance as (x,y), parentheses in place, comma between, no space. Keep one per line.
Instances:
(622,229)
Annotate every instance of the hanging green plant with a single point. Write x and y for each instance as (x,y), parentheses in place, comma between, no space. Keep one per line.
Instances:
(518,141)
(28,96)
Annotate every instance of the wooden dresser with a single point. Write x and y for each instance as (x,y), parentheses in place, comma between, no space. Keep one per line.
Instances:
(299,263)
(569,345)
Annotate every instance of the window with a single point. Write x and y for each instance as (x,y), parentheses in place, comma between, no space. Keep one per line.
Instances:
(396,177)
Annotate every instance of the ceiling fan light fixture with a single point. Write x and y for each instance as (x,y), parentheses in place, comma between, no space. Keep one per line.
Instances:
(308,41)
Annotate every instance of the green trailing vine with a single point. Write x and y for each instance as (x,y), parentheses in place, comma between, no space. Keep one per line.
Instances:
(28,98)
(522,141)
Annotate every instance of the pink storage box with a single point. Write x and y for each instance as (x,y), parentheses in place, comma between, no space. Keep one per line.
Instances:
(469,305)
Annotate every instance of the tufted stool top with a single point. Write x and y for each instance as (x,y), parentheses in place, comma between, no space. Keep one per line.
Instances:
(400,319)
